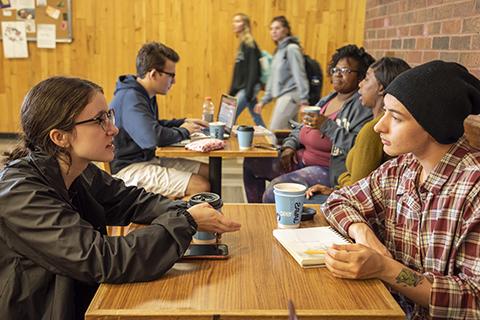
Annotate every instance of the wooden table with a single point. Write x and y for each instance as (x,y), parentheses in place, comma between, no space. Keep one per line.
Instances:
(254,283)
(231,150)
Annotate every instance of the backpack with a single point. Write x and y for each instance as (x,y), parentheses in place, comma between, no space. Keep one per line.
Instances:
(314,77)
(265,61)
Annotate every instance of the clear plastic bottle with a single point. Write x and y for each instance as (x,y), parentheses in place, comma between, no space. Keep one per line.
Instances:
(208,110)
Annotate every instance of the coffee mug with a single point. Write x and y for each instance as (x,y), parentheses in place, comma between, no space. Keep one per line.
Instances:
(215,201)
(217,129)
(245,137)
(289,199)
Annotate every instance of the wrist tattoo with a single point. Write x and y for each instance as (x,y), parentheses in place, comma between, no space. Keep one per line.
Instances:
(409,278)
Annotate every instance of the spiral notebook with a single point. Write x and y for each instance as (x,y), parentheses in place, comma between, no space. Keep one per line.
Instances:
(308,245)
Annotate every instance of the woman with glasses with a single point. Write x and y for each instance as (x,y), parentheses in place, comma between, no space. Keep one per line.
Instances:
(314,154)
(55,206)
(287,82)
(246,73)
(367,153)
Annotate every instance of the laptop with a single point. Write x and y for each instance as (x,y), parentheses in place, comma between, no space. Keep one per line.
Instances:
(226,114)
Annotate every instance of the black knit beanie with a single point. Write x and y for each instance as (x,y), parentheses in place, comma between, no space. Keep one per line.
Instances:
(439,95)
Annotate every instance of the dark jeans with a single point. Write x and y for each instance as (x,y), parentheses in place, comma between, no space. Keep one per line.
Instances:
(243,103)
(256,171)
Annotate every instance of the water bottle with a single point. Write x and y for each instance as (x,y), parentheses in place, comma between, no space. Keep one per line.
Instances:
(208,109)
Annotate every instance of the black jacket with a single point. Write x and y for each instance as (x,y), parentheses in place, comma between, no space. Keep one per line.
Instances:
(140,131)
(54,250)
(246,72)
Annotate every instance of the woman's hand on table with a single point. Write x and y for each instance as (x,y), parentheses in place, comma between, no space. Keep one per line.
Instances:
(318,188)
(354,261)
(210,220)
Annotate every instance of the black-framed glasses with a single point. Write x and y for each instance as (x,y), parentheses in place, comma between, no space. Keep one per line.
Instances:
(103,119)
(342,70)
(170,74)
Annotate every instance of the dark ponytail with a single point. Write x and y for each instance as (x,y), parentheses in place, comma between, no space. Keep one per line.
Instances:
(53,103)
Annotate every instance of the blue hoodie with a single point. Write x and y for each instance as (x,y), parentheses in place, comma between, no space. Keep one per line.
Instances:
(136,116)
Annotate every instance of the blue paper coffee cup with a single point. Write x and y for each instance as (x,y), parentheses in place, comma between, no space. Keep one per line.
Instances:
(289,198)
(245,137)
(217,129)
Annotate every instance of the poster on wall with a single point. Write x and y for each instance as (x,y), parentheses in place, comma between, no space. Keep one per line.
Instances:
(46,36)
(14,39)
(22,4)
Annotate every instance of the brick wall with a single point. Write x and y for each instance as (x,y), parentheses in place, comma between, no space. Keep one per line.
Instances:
(422,30)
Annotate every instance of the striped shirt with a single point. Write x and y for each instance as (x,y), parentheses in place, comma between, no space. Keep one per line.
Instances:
(433,228)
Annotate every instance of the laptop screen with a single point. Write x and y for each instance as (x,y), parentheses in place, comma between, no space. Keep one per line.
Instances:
(227,112)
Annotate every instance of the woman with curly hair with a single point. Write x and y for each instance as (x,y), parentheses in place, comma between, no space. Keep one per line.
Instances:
(314,154)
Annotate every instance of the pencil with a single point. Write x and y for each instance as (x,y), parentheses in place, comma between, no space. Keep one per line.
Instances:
(312,251)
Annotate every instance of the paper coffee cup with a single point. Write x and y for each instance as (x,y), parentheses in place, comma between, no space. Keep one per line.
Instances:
(289,199)
(311,109)
(217,129)
(245,137)
(312,112)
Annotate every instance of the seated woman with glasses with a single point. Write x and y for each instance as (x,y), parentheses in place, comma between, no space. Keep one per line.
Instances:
(312,155)
(55,206)
(367,153)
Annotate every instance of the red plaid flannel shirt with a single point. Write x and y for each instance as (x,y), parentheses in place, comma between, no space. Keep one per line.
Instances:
(433,228)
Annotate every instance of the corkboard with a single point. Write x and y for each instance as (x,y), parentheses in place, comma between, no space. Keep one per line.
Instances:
(40,15)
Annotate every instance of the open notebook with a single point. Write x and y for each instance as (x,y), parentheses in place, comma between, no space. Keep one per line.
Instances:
(308,245)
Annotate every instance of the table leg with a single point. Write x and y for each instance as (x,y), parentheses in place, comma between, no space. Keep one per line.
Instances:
(215,174)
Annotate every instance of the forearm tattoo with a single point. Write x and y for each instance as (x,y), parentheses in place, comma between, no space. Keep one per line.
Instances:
(409,278)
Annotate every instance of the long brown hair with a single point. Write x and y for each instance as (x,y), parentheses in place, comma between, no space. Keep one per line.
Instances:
(246,35)
(53,103)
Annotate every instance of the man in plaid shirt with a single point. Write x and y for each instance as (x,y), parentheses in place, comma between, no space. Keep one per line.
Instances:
(416,219)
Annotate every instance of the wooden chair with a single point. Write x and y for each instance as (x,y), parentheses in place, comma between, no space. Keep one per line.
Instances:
(472,130)
(281,134)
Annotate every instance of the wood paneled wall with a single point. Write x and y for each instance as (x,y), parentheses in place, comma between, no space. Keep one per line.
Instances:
(108,33)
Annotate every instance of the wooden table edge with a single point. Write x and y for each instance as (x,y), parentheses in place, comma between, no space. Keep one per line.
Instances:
(373,313)
(394,311)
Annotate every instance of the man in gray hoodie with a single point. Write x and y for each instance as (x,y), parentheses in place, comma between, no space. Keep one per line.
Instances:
(141,131)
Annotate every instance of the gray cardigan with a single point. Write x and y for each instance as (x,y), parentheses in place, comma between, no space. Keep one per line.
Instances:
(287,72)
(342,132)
